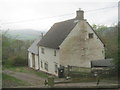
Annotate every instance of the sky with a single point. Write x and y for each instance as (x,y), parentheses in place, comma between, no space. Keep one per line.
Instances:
(42,14)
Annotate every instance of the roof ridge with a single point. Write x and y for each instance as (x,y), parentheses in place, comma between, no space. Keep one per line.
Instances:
(57,33)
(65,20)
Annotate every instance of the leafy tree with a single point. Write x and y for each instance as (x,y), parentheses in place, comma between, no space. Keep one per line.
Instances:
(14,51)
(109,35)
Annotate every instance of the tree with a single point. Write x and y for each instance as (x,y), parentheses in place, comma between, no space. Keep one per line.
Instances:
(13,49)
(109,35)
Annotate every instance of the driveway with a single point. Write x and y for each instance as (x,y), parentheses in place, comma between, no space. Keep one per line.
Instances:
(30,78)
(38,82)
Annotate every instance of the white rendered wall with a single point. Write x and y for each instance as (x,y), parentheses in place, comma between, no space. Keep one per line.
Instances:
(36,62)
(49,57)
(78,50)
(30,59)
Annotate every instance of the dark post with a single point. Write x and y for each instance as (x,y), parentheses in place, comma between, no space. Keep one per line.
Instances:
(69,70)
(51,81)
(97,78)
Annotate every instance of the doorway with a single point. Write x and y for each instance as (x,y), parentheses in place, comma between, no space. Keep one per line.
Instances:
(33,60)
(61,72)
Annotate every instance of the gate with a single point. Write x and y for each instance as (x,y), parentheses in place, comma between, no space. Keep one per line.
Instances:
(61,72)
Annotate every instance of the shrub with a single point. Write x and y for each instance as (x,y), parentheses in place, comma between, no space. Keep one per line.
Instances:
(17,61)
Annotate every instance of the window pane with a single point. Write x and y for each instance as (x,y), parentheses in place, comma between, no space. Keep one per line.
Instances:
(54,52)
(42,50)
(46,66)
(41,64)
(56,68)
(90,35)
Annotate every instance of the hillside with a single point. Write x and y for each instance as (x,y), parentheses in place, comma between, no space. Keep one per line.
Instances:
(25,34)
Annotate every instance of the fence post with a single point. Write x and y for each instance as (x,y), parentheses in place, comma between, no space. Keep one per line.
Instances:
(68,71)
(51,81)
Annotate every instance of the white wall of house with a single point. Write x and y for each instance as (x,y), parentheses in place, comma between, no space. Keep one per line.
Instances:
(30,59)
(78,50)
(96,49)
(36,62)
(49,58)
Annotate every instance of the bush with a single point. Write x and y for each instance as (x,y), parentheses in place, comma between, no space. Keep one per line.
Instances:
(80,74)
(17,61)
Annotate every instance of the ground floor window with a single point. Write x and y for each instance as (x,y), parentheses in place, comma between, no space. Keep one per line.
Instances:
(46,66)
(54,52)
(90,35)
(41,64)
(56,68)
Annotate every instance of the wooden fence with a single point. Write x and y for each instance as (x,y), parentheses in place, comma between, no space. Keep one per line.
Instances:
(76,71)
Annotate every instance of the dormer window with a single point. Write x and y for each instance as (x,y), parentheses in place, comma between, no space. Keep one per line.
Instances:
(90,35)
(42,50)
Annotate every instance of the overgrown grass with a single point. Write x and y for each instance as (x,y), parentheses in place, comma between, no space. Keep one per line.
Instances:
(78,80)
(10,81)
(27,70)
(89,77)
(80,74)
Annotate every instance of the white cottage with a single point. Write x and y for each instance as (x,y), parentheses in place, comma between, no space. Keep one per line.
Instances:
(72,42)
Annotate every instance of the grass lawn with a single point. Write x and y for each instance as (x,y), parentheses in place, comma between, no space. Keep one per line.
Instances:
(76,77)
(10,81)
(27,70)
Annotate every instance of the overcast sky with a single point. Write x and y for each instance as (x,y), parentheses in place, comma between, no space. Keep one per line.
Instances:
(42,14)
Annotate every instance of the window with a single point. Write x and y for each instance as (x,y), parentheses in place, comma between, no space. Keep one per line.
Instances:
(42,50)
(41,64)
(56,68)
(46,66)
(103,51)
(90,35)
(54,52)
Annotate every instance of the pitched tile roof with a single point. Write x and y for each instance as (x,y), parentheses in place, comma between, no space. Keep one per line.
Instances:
(57,33)
(102,63)
(34,48)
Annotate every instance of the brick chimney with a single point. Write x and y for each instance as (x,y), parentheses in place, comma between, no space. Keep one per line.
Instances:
(80,14)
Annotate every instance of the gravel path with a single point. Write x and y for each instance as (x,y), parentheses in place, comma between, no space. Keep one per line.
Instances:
(30,78)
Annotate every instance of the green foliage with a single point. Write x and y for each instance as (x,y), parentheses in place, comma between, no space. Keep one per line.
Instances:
(100,28)
(10,81)
(26,70)
(109,36)
(74,74)
(17,61)
(14,52)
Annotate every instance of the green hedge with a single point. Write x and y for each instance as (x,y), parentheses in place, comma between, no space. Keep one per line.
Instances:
(17,61)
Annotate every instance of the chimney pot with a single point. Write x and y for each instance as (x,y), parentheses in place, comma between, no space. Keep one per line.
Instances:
(79,14)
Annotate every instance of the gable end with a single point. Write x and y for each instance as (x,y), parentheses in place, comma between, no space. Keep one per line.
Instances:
(96,34)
